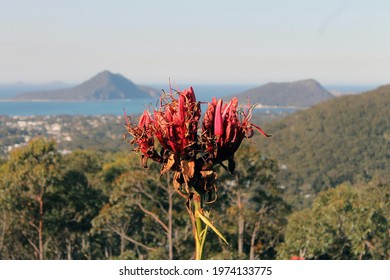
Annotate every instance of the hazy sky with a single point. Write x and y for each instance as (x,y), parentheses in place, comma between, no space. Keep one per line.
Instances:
(202,41)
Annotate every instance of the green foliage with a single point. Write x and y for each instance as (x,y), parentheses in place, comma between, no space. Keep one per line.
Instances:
(26,178)
(344,223)
(46,208)
(106,206)
(249,206)
(34,167)
(71,206)
(137,215)
(345,139)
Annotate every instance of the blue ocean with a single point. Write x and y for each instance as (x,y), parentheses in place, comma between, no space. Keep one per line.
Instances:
(114,107)
(117,107)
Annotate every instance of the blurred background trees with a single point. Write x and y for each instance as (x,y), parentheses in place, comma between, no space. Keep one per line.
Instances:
(348,222)
(95,205)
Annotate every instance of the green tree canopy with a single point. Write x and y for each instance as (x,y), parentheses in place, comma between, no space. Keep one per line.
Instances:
(344,223)
(26,178)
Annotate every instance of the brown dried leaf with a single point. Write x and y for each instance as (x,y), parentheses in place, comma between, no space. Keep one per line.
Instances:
(144,161)
(177,183)
(168,165)
(208,180)
(207,173)
(176,180)
(188,169)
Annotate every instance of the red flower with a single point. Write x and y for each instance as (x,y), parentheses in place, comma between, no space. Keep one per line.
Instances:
(223,131)
(142,133)
(143,137)
(176,123)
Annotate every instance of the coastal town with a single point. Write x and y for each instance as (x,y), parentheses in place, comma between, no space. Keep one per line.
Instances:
(70,132)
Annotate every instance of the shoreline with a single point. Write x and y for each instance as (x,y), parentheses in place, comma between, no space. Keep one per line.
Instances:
(260,106)
(70,101)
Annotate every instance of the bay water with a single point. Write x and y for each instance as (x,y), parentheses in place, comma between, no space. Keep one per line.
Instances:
(204,93)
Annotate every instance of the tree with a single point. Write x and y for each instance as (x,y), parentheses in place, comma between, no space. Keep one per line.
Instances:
(344,223)
(142,211)
(28,174)
(71,206)
(255,213)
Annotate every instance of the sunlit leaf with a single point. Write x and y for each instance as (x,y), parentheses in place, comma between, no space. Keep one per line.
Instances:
(168,166)
(208,223)
(188,169)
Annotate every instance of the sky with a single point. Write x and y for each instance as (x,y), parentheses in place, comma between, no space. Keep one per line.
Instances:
(203,41)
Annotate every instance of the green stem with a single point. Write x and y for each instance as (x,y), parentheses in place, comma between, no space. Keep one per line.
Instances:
(199,228)
(203,240)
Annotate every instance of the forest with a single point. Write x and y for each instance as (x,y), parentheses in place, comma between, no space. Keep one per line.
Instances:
(346,139)
(102,205)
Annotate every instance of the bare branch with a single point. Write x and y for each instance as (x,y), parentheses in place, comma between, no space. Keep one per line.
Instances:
(33,225)
(128,238)
(151,197)
(153,215)
(33,245)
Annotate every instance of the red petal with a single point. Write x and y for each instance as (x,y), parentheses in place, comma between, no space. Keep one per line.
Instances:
(218,129)
(260,130)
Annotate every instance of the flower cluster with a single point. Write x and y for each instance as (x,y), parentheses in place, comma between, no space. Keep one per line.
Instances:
(223,131)
(143,137)
(175,125)
(186,149)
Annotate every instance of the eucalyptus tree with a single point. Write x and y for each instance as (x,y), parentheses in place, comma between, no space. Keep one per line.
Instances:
(27,175)
(143,212)
(347,222)
(256,215)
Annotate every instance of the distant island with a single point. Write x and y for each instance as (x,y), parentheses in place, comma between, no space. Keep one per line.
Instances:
(301,94)
(103,86)
(109,86)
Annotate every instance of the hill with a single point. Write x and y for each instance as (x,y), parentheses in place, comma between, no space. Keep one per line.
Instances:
(104,86)
(303,93)
(343,139)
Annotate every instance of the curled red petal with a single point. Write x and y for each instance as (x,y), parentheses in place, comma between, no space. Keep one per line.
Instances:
(181,108)
(191,94)
(218,122)
(126,118)
(260,130)
(226,109)
(144,120)
(208,120)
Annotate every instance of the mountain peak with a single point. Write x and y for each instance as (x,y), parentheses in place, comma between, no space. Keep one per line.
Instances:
(302,93)
(305,82)
(103,86)
(105,74)
(107,79)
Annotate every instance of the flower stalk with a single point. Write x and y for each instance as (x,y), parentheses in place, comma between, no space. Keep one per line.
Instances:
(200,238)
(191,153)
